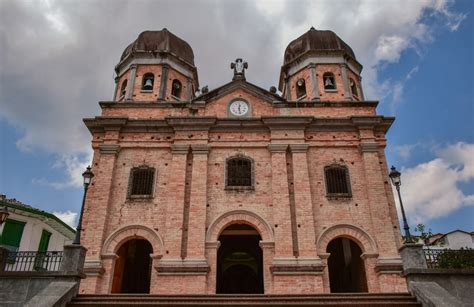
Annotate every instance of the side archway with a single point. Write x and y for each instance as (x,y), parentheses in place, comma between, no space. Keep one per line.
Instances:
(121,235)
(360,236)
(242,217)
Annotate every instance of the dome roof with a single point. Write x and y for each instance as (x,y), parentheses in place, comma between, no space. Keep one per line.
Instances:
(160,41)
(315,40)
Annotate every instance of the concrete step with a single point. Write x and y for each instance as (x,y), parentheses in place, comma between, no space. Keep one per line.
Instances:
(339,300)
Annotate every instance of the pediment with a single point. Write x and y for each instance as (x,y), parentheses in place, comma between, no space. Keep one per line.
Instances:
(233,87)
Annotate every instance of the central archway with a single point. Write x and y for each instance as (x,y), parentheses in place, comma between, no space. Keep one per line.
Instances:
(133,267)
(239,261)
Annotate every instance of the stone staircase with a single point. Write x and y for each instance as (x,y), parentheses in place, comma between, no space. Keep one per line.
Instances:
(339,300)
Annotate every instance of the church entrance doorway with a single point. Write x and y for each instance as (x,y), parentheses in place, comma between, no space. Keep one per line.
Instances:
(346,267)
(133,267)
(239,261)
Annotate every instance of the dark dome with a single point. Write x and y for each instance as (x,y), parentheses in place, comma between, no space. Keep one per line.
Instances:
(315,40)
(159,41)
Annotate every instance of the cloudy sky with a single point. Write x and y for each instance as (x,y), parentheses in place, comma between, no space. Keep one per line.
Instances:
(57,60)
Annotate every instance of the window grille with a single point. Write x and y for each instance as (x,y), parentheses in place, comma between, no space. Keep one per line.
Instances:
(337,181)
(239,172)
(142,179)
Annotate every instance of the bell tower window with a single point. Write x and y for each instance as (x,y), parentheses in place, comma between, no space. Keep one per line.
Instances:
(123,89)
(300,88)
(176,89)
(329,81)
(353,88)
(147,82)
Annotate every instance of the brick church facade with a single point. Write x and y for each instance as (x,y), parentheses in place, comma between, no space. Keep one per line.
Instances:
(240,189)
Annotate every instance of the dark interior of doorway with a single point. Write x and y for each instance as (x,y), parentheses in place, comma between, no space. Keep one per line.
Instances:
(133,268)
(239,261)
(346,268)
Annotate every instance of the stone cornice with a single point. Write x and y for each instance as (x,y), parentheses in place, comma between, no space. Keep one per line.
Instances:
(200,149)
(277,147)
(307,123)
(287,122)
(369,147)
(190,123)
(110,149)
(299,147)
(180,149)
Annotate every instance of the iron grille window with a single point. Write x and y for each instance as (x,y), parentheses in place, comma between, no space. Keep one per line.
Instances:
(239,172)
(142,179)
(337,181)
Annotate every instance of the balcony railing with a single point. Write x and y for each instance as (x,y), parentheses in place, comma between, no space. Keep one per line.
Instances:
(33,261)
(449,259)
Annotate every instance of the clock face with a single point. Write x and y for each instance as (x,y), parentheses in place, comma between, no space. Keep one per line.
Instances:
(239,108)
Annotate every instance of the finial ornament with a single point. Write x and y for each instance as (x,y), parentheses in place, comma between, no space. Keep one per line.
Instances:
(239,67)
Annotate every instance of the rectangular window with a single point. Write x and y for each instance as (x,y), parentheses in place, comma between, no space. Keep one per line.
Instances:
(337,181)
(12,233)
(239,173)
(142,181)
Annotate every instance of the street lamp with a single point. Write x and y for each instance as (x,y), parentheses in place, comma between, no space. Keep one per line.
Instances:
(3,215)
(396,181)
(87,175)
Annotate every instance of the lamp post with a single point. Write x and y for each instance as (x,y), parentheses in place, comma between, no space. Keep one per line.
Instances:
(396,181)
(87,175)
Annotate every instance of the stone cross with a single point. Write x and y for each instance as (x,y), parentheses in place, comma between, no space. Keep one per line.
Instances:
(239,67)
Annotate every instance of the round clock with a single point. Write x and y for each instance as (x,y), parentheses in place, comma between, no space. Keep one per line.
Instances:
(239,108)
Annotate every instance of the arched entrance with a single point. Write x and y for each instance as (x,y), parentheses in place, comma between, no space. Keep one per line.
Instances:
(239,260)
(346,267)
(133,267)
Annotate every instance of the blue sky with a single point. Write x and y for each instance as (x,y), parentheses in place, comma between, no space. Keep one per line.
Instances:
(58,58)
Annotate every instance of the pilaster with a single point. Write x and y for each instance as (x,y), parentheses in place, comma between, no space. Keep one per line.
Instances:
(345,79)
(98,199)
(303,203)
(175,203)
(197,210)
(377,198)
(131,84)
(116,88)
(190,89)
(281,202)
(163,81)
(314,82)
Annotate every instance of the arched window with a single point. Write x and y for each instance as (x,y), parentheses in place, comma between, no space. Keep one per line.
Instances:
(300,88)
(123,89)
(142,180)
(147,82)
(176,88)
(329,81)
(239,173)
(337,181)
(353,88)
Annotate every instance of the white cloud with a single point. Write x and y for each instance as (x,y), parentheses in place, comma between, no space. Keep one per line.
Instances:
(431,190)
(58,57)
(389,48)
(67,217)
(73,166)
(405,151)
